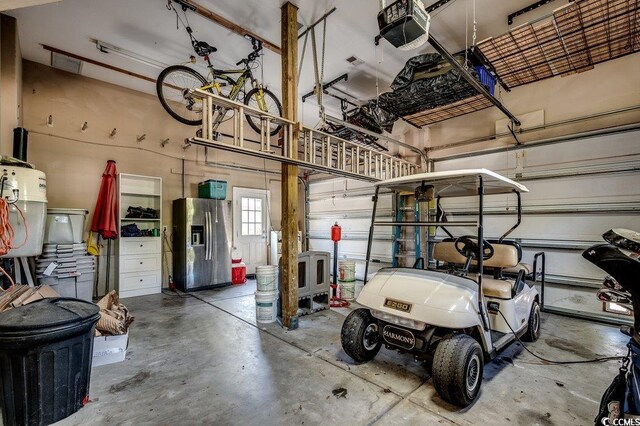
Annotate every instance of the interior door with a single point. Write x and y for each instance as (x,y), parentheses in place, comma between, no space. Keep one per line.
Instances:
(251,225)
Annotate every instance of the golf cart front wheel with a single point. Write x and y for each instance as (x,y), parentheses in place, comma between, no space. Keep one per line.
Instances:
(360,336)
(533,326)
(457,369)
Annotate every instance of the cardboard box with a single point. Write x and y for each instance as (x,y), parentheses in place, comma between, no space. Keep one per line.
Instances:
(109,349)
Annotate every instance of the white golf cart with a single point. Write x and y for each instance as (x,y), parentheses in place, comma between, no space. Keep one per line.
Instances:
(458,315)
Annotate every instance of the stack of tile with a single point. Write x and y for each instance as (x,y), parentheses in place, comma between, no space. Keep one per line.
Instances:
(68,269)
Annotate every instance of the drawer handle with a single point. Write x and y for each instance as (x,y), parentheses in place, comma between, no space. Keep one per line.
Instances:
(141,245)
(141,263)
(140,279)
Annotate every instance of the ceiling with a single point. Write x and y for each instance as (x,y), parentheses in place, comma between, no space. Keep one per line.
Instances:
(148,28)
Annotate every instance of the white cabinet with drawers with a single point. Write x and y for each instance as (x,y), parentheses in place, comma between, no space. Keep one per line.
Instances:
(140,257)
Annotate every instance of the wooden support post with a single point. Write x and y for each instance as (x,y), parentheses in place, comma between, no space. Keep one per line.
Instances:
(289,289)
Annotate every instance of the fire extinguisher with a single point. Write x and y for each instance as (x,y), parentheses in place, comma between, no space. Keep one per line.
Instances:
(336,236)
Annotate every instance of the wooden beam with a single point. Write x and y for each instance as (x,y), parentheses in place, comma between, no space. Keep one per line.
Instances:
(203,11)
(289,289)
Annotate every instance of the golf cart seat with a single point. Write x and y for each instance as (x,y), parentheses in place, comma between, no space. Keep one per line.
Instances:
(515,270)
(504,256)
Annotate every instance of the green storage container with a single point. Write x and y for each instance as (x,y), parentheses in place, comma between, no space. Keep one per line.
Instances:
(212,188)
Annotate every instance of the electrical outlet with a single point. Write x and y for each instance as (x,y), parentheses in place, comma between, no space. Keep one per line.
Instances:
(164,229)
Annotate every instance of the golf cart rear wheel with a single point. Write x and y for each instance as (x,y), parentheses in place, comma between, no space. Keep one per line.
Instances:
(457,369)
(533,327)
(360,337)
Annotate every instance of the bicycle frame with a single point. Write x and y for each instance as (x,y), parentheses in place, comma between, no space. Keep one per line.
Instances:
(236,86)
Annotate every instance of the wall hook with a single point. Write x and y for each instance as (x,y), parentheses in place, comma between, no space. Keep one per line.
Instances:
(186,145)
(84,127)
(113,133)
(50,121)
(141,137)
(164,142)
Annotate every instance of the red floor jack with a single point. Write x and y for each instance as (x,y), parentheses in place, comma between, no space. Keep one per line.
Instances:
(336,302)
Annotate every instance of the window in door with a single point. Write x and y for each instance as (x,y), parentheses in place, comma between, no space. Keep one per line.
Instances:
(251,216)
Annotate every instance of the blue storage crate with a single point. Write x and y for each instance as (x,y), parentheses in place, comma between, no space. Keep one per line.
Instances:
(212,188)
(485,77)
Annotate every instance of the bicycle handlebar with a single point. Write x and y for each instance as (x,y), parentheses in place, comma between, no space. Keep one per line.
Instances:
(257,47)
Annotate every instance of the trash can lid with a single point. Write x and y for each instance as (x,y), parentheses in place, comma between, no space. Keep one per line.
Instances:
(47,313)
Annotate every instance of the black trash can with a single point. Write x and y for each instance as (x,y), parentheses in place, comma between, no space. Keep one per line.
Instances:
(45,360)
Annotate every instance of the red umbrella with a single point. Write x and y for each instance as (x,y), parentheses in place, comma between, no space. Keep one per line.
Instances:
(105,216)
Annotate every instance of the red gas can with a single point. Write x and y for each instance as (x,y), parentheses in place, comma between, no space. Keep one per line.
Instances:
(238,273)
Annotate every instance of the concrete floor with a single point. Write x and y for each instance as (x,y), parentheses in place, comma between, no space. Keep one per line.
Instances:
(205,361)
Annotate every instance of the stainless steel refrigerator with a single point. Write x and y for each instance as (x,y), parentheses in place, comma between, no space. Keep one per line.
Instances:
(201,243)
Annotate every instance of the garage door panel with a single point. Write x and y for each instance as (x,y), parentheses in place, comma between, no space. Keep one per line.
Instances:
(380,250)
(579,190)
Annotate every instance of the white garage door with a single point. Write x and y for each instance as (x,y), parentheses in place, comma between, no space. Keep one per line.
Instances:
(578,190)
(349,203)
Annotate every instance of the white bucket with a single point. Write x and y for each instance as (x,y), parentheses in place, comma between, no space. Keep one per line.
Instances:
(346,270)
(347,290)
(267,277)
(266,306)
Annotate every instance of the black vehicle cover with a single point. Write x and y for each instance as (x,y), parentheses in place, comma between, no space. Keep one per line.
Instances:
(426,82)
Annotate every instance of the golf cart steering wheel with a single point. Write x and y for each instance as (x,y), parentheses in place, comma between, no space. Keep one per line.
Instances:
(468,246)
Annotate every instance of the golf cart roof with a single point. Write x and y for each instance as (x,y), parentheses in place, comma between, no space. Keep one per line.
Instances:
(456,183)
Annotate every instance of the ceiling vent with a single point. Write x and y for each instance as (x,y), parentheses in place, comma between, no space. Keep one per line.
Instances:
(355,61)
(66,63)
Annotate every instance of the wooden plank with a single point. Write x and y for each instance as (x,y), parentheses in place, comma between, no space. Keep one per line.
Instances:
(289,289)
(212,16)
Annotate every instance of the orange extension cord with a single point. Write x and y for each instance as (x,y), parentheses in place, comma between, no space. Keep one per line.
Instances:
(7,234)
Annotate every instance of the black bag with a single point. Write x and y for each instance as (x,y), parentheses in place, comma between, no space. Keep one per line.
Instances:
(141,213)
(612,403)
(130,230)
(371,117)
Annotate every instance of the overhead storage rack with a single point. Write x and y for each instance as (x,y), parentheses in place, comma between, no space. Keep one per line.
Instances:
(444,112)
(572,39)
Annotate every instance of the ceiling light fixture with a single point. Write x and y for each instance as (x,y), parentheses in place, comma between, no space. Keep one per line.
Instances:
(105,47)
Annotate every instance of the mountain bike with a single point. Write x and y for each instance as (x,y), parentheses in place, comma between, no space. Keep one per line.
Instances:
(174,85)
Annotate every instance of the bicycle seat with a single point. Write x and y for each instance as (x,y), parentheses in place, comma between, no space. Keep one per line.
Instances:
(203,48)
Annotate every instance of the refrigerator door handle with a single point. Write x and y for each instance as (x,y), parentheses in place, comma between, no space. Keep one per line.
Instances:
(210,236)
(206,236)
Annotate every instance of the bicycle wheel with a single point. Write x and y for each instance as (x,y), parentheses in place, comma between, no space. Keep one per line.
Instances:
(173,85)
(271,105)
